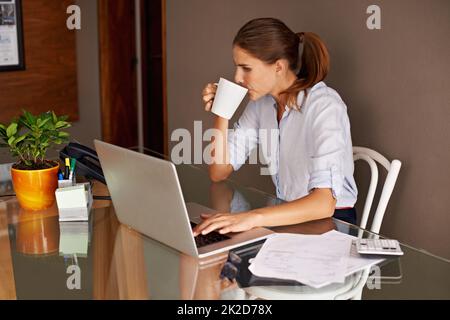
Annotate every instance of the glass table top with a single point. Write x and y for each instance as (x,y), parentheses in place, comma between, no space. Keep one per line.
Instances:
(43,258)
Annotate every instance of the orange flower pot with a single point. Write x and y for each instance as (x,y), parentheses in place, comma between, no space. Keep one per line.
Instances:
(35,189)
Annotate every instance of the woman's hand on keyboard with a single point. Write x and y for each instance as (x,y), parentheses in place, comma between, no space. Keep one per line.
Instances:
(227,222)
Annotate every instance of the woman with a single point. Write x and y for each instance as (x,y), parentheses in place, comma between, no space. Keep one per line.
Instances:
(284,73)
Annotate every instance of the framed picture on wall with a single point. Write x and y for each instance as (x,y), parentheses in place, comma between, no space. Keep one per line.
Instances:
(11,36)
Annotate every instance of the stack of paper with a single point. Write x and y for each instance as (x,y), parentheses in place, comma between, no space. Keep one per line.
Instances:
(355,262)
(314,260)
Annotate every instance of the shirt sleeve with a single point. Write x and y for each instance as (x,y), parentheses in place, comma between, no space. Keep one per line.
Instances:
(329,126)
(243,138)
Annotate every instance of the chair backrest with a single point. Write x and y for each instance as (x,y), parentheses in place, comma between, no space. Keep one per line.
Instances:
(393,169)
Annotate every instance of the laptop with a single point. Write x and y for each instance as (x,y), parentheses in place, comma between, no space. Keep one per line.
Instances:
(147,196)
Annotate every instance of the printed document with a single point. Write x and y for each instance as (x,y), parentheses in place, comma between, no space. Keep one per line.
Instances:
(314,260)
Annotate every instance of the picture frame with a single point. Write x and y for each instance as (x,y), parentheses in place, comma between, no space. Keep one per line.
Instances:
(11,36)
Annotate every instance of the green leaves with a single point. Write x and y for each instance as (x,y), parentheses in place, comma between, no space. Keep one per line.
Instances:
(11,140)
(30,136)
(42,123)
(11,130)
(63,134)
(2,127)
(30,119)
(62,125)
(20,139)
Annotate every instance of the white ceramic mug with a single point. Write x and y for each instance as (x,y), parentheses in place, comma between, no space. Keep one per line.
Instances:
(229,96)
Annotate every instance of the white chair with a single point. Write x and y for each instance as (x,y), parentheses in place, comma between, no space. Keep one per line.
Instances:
(354,284)
(351,289)
(393,168)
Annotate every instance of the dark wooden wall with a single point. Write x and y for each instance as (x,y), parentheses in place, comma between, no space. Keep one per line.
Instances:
(118,72)
(153,75)
(49,81)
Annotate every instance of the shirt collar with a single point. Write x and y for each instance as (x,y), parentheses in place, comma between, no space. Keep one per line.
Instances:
(275,105)
(300,97)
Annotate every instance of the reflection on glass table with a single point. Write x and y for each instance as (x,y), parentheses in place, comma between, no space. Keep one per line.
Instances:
(120,263)
(253,287)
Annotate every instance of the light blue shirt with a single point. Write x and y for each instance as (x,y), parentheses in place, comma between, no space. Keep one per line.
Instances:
(310,148)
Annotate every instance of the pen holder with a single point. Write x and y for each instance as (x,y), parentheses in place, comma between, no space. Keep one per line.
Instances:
(67,183)
(74,202)
(66,175)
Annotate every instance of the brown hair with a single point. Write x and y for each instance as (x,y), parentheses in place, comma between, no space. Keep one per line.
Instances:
(269,40)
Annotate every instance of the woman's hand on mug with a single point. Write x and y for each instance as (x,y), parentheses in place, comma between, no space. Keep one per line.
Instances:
(208,94)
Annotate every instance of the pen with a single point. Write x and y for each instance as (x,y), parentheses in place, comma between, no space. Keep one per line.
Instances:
(67,169)
(73,162)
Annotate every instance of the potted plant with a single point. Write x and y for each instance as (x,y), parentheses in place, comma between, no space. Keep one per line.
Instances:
(28,138)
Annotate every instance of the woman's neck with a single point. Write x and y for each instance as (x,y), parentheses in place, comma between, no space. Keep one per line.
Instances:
(284,84)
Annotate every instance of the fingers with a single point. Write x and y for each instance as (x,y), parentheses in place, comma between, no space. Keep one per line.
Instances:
(227,229)
(208,106)
(226,223)
(208,100)
(208,95)
(232,227)
(226,226)
(201,226)
(210,88)
(215,226)
(211,219)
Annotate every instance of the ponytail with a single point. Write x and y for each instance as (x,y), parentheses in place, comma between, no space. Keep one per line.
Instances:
(314,67)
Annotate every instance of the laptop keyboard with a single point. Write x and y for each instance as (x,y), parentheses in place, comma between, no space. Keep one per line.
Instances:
(212,237)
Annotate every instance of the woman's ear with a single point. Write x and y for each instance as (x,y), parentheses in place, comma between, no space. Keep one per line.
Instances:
(280,66)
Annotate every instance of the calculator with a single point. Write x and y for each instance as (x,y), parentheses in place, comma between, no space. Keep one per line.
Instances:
(378,247)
